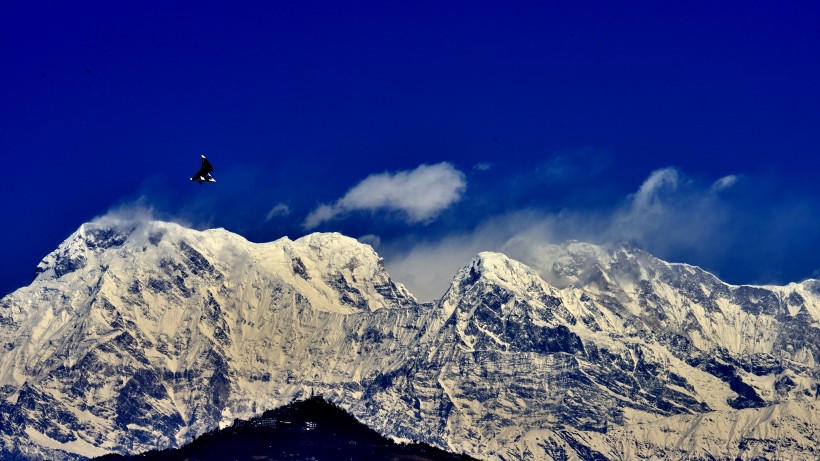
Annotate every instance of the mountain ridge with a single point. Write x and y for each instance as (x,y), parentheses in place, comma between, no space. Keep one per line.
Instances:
(141,335)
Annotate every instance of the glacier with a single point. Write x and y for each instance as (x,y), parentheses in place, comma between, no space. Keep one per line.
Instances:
(139,335)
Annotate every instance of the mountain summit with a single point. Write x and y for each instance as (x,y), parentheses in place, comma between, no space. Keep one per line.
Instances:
(142,335)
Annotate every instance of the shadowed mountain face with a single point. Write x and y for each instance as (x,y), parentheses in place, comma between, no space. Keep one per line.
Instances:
(142,336)
(309,429)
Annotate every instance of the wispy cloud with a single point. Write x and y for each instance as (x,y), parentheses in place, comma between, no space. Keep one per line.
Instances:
(278,210)
(724,183)
(648,197)
(137,211)
(136,216)
(419,195)
(370,239)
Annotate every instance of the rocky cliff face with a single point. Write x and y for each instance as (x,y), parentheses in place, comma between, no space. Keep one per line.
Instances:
(137,336)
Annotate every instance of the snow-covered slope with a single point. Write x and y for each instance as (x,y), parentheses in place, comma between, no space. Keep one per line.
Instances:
(139,335)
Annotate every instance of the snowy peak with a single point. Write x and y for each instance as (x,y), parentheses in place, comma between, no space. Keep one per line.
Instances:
(105,239)
(501,303)
(497,268)
(339,267)
(73,254)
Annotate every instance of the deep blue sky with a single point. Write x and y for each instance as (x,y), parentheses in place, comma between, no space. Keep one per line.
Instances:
(555,114)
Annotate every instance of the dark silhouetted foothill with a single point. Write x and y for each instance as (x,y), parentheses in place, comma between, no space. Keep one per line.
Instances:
(309,429)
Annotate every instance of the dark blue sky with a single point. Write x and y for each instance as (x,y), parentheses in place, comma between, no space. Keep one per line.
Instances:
(549,116)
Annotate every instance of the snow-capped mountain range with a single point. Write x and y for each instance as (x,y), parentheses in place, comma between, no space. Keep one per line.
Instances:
(140,335)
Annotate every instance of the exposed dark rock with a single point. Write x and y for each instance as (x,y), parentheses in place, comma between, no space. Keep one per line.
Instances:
(197,263)
(64,264)
(104,238)
(299,268)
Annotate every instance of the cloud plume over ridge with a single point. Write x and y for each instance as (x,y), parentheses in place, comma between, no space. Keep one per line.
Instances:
(671,215)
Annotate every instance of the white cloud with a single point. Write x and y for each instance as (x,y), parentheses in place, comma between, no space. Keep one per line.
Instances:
(483,166)
(280,209)
(319,215)
(420,195)
(724,183)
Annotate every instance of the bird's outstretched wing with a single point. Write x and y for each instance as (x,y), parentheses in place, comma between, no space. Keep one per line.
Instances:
(206,166)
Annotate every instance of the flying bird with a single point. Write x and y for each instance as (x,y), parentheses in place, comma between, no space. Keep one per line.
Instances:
(204,173)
